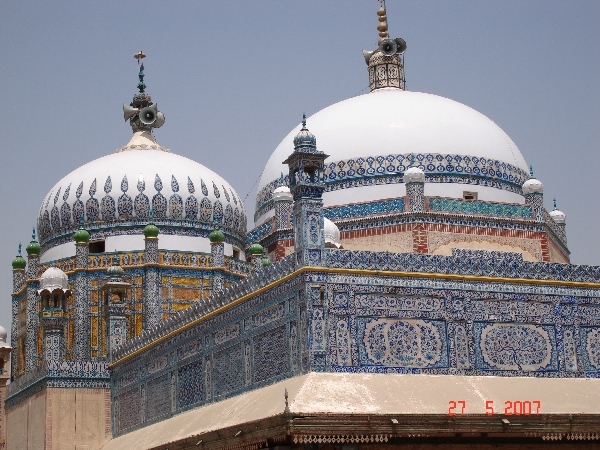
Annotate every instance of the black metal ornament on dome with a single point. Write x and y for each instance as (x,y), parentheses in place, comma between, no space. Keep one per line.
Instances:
(142,113)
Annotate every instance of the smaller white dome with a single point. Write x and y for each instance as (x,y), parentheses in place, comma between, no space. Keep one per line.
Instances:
(54,278)
(558,216)
(3,336)
(332,233)
(532,186)
(282,193)
(414,175)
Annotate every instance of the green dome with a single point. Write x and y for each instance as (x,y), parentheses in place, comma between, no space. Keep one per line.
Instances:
(33,248)
(255,249)
(19,263)
(151,231)
(115,271)
(266,261)
(81,236)
(216,236)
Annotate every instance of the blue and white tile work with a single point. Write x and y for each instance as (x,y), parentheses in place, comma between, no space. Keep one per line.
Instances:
(389,169)
(478,207)
(365,312)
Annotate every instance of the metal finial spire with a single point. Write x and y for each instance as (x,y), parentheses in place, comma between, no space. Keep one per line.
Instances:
(531,171)
(139,56)
(33,234)
(412,160)
(19,249)
(81,222)
(141,86)
(151,214)
(115,261)
(555,204)
(304,121)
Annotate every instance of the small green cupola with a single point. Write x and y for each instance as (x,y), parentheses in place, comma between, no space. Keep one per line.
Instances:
(255,249)
(19,262)
(216,236)
(115,271)
(33,248)
(81,236)
(265,260)
(151,230)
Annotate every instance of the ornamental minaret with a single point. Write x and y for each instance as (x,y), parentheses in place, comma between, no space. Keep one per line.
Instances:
(307,183)
(386,64)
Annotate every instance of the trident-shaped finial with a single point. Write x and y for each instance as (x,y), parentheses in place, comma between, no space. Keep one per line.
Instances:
(33,234)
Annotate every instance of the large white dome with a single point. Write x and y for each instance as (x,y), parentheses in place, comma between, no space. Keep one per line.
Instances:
(371,140)
(115,194)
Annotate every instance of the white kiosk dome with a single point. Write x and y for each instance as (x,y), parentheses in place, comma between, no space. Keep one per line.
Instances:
(331,232)
(414,175)
(54,278)
(372,138)
(3,336)
(532,186)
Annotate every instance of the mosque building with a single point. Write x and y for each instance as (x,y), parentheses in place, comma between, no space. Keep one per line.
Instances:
(403,285)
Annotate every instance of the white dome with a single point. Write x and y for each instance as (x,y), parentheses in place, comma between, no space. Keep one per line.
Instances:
(331,232)
(414,175)
(371,139)
(54,278)
(532,185)
(282,193)
(3,336)
(117,191)
(558,216)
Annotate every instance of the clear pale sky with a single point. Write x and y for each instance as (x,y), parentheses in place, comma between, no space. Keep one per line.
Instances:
(233,78)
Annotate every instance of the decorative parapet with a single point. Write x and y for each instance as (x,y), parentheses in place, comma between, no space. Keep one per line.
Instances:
(136,259)
(59,373)
(260,232)
(364,209)
(247,286)
(462,262)
(389,169)
(480,207)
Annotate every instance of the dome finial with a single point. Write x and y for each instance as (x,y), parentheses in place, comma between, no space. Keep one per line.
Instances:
(412,160)
(139,56)
(33,234)
(19,249)
(142,113)
(530,171)
(554,199)
(304,121)
(386,63)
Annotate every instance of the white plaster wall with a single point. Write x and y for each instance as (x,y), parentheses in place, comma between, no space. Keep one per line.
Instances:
(127,243)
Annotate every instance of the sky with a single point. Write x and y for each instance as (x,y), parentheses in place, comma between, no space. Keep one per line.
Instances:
(234,77)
